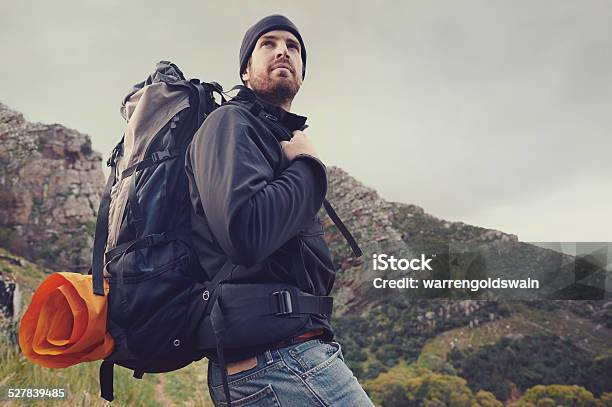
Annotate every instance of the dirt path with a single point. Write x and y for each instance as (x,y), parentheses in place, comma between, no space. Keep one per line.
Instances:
(160,394)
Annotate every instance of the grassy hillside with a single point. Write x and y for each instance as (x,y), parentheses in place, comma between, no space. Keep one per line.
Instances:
(186,387)
(524,321)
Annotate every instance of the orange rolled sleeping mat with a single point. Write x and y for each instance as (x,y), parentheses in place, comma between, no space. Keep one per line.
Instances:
(65,323)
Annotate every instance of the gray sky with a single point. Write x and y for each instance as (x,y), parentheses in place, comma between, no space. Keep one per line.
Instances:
(495,113)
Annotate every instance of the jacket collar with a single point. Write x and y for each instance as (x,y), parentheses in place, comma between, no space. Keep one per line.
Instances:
(290,120)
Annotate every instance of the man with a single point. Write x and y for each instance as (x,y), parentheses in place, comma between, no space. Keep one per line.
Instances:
(256,185)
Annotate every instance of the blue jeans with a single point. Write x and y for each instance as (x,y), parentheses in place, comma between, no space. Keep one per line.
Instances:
(311,373)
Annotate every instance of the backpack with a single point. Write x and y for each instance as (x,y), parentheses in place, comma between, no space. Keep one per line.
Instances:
(162,313)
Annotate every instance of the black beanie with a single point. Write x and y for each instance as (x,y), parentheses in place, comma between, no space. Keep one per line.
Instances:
(267,24)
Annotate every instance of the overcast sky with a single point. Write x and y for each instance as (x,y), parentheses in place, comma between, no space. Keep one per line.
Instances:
(494,113)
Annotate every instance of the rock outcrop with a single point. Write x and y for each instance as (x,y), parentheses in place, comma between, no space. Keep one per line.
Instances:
(394,228)
(374,220)
(50,185)
(459,251)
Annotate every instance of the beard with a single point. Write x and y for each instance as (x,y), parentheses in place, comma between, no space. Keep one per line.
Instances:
(275,90)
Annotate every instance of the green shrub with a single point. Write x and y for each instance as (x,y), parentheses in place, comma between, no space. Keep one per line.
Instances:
(557,395)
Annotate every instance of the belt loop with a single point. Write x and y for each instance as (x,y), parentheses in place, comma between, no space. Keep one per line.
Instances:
(269,358)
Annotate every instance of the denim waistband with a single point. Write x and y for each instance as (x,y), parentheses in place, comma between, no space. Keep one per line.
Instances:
(270,356)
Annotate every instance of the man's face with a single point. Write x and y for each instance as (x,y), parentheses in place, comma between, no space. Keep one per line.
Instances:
(275,67)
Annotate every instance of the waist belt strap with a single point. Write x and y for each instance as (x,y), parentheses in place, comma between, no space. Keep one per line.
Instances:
(288,302)
(282,303)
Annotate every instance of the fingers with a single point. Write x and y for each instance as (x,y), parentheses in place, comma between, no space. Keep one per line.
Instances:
(300,144)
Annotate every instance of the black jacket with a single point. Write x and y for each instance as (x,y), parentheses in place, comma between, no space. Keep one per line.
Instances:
(252,206)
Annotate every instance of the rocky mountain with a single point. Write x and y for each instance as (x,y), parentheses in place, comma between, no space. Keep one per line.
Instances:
(50,185)
(458,251)
(382,328)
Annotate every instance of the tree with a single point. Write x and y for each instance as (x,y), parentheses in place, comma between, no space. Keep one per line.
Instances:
(486,399)
(412,386)
(438,390)
(557,395)
(606,400)
(388,388)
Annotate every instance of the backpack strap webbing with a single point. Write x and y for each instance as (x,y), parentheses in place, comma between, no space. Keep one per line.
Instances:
(106,380)
(206,102)
(284,303)
(101,234)
(345,232)
(154,159)
(144,242)
(218,326)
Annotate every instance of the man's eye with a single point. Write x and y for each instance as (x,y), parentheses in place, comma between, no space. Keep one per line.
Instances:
(292,45)
(266,43)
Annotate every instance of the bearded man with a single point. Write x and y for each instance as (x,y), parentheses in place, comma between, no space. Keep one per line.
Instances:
(256,186)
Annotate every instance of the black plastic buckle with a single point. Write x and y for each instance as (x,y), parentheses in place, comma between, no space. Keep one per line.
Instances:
(152,240)
(283,300)
(160,156)
(217,87)
(148,241)
(113,157)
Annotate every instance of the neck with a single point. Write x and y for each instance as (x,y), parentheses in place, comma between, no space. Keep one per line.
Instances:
(274,99)
(285,105)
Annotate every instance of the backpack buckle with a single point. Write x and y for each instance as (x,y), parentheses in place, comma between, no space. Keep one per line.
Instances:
(112,160)
(160,156)
(148,240)
(216,87)
(153,240)
(283,301)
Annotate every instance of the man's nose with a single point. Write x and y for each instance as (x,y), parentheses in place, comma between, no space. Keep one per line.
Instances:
(282,51)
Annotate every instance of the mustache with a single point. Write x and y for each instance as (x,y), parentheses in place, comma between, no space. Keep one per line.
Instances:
(283,64)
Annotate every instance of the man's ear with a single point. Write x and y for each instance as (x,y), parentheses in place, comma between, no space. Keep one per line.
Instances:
(247,72)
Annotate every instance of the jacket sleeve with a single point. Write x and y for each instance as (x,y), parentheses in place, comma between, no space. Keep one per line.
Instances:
(251,213)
